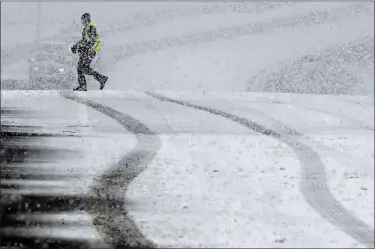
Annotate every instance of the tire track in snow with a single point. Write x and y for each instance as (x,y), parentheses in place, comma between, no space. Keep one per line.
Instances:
(287,130)
(119,230)
(310,108)
(363,103)
(313,181)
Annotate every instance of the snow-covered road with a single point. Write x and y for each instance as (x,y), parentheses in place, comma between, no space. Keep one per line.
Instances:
(207,155)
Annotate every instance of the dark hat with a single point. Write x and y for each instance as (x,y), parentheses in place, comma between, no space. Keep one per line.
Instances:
(86,16)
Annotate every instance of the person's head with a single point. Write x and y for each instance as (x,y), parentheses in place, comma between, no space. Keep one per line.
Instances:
(85,19)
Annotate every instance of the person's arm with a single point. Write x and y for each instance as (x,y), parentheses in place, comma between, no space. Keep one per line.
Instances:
(92,36)
(82,42)
(78,44)
(86,45)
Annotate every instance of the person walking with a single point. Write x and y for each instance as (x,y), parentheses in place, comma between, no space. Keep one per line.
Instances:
(88,47)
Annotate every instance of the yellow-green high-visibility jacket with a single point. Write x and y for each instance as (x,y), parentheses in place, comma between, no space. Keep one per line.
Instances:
(96,46)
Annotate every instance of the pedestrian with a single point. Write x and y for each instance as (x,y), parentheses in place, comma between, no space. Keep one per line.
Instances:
(88,47)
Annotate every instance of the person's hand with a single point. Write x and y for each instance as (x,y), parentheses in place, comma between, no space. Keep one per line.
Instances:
(92,54)
(74,49)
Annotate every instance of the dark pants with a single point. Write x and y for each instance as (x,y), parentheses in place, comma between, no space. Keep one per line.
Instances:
(83,68)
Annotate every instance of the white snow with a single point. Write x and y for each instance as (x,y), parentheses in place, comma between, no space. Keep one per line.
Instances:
(18,20)
(18,24)
(227,191)
(215,183)
(186,68)
(189,26)
(218,202)
(349,161)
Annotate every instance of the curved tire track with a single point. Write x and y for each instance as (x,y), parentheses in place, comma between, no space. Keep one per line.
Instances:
(365,103)
(313,181)
(119,230)
(355,122)
(287,130)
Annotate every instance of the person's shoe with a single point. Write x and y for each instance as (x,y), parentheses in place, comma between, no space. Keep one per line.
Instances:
(102,82)
(80,88)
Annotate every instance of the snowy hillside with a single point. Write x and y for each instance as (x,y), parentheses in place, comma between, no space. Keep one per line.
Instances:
(221,125)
